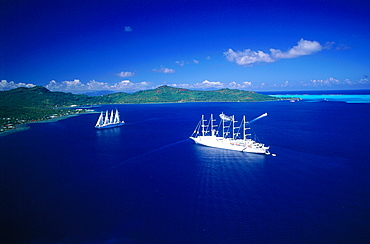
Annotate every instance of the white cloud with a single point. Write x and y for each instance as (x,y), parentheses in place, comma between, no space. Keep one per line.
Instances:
(333,45)
(335,82)
(249,57)
(94,85)
(364,81)
(68,86)
(125,74)
(330,81)
(206,84)
(5,85)
(342,47)
(164,70)
(304,47)
(128,29)
(181,63)
(286,83)
(128,85)
(77,87)
(328,45)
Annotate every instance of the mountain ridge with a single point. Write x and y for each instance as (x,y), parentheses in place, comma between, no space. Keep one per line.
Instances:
(22,105)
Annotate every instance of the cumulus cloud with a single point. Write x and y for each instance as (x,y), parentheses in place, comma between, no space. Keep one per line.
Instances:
(124,74)
(181,63)
(330,81)
(128,29)
(249,57)
(247,85)
(8,85)
(304,47)
(76,86)
(94,85)
(364,80)
(334,82)
(68,86)
(164,70)
(206,84)
(128,85)
(286,83)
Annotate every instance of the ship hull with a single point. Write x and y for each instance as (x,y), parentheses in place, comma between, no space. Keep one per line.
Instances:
(230,144)
(109,126)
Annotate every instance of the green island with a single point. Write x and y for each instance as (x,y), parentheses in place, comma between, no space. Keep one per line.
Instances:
(24,105)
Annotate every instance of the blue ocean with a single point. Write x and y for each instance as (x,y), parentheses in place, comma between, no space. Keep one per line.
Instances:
(147,182)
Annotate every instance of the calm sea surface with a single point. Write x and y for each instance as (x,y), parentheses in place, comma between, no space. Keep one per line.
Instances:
(146,182)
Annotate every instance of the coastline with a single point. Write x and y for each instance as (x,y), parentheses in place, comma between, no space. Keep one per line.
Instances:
(20,127)
(23,127)
(348,98)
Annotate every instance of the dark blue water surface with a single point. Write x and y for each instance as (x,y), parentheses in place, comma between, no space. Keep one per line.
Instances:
(146,182)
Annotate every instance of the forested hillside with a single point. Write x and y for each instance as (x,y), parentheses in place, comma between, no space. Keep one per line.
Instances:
(22,105)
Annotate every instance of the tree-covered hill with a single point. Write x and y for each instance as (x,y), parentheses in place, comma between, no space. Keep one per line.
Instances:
(39,96)
(171,94)
(22,105)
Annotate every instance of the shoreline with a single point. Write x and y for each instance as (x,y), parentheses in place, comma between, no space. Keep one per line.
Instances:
(23,127)
(20,127)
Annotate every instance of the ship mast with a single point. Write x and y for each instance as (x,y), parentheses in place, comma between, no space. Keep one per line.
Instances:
(235,135)
(244,128)
(116,118)
(203,125)
(111,117)
(211,122)
(106,120)
(100,120)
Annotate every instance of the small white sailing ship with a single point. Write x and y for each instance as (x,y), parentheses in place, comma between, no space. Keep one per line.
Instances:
(227,135)
(108,121)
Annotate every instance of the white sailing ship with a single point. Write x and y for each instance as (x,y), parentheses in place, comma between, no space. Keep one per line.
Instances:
(108,121)
(228,135)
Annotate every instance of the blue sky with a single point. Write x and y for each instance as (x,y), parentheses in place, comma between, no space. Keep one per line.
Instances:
(129,45)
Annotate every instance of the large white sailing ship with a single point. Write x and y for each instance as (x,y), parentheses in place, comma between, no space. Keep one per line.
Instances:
(106,121)
(228,135)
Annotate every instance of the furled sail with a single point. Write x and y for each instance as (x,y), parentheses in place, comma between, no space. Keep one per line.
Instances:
(224,117)
(259,117)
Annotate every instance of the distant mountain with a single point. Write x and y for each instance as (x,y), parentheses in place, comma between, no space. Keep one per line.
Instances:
(39,96)
(38,103)
(171,94)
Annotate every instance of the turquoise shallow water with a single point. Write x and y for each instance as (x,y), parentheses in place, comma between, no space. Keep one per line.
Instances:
(329,97)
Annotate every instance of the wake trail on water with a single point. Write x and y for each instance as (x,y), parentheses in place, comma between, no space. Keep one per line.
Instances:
(115,166)
(127,161)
